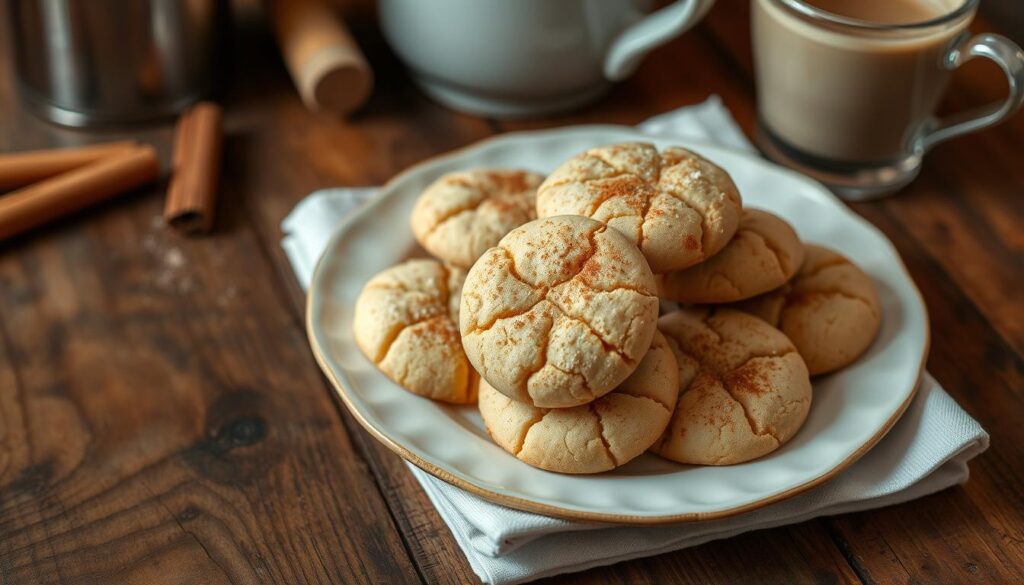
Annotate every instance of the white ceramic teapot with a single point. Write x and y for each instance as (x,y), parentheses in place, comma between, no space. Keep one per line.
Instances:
(516,58)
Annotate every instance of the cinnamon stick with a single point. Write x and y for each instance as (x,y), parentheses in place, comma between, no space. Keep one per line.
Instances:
(192,194)
(76,189)
(18,169)
(179,153)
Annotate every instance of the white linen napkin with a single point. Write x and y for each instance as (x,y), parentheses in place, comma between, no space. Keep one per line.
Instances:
(926,451)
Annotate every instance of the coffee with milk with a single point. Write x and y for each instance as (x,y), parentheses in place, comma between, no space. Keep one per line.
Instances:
(850,97)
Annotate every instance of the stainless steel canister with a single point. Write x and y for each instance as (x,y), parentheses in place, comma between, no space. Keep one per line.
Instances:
(102,62)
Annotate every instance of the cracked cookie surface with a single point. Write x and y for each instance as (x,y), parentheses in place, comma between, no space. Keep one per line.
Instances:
(406,323)
(743,389)
(676,206)
(764,254)
(595,437)
(559,313)
(462,214)
(830,310)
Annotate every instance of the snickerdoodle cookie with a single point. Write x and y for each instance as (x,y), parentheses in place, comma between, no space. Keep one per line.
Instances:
(679,208)
(743,389)
(462,214)
(830,310)
(406,322)
(559,312)
(595,437)
(764,254)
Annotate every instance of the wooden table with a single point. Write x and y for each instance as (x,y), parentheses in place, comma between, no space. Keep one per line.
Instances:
(162,419)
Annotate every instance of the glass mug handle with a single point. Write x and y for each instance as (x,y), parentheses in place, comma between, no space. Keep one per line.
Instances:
(655,29)
(1010,59)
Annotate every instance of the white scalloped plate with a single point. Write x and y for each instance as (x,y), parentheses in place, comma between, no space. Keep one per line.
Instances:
(851,410)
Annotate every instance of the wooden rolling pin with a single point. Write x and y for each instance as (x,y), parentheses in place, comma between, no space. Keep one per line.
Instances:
(325,63)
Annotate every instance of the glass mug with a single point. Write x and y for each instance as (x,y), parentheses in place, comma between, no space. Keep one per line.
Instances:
(851,102)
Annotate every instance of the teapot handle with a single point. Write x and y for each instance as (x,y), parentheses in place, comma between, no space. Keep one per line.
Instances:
(653,30)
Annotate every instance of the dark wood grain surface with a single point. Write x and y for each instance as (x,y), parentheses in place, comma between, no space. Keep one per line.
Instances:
(162,419)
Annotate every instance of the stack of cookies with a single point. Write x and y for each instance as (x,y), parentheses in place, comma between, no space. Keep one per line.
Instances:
(543,307)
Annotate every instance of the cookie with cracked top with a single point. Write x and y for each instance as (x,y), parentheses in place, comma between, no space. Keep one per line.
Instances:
(462,214)
(559,313)
(830,310)
(676,206)
(595,437)
(744,391)
(764,254)
(406,323)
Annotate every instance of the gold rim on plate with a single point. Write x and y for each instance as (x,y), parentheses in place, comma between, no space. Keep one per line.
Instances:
(567,513)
